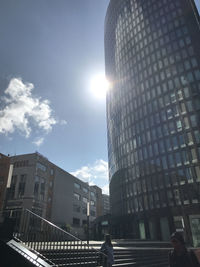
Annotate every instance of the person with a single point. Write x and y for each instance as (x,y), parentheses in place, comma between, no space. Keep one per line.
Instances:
(107,250)
(180,256)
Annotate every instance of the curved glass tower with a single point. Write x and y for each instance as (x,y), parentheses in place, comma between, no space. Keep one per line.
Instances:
(152,54)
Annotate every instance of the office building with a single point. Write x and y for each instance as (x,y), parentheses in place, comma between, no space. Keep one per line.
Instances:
(106,204)
(152,57)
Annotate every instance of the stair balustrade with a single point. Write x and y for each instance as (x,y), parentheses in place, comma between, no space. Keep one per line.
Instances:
(53,243)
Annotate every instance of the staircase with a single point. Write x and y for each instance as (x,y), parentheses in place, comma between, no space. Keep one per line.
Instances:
(48,242)
(138,254)
(48,245)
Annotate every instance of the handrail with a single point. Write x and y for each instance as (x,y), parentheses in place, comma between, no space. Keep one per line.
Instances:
(54,225)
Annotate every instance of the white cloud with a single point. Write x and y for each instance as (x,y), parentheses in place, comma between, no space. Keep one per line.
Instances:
(22,109)
(63,122)
(105,189)
(38,141)
(95,174)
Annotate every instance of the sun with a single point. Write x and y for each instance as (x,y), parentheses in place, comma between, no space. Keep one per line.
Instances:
(99,85)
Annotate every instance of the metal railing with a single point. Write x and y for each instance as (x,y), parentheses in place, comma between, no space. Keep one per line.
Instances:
(50,241)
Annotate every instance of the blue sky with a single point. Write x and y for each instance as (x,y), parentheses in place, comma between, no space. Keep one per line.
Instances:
(49,51)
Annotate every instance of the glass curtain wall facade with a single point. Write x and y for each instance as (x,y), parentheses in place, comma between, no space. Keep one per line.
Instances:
(152,56)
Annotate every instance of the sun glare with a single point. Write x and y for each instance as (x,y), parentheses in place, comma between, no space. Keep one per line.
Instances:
(99,85)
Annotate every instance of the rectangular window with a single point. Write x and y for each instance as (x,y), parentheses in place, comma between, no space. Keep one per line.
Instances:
(42,189)
(92,194)
(197,136)
(164,162)
(76,222)
(12,187)
(76,208)
(22,184)
(85,190)
(77,196)
(182,141)
(186,123)
(93,213)
(170,198)
(180,95)
(189,176)
(84,210)
(177,197)
(41,166)
(185,157)
(151,204)
(193,120)
(85,200)
(157,201)
(36,186)
(77,186)
(178,125)
(197,172)
(163,199)
(194,155)
(92,203)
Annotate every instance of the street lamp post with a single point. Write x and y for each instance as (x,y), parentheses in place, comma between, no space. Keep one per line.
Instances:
(88,221)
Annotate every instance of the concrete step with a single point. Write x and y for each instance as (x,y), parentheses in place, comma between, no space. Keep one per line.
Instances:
(141,256)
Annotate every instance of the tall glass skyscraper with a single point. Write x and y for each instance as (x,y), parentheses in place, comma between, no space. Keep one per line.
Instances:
(152,55)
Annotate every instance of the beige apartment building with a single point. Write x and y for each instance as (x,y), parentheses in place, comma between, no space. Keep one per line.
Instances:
(47,190)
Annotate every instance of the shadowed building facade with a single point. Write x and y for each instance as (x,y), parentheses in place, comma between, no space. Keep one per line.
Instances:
(152,57)
(31,181)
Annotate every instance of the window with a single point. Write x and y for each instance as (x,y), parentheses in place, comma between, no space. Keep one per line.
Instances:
(189,176)
(163,198)
(41,166)
(185,156)
(193,120)
(177,196)
(76,208)
(85,190)
(93,213)
(92,194)
(13,186)
(151,204)
(178,125)
(186,123)
(185,194)
(171,160)
(42,188)
(169,113)
(77,186)
(183,108)
(77,196)
(182,142)
(164,162)
(84,210)
(197,172)
(173,97)
(157,202)
(181,176)
(92,203)
(170,198)
(197,136)
(85,200)
(190,106)
(36,186)
(180,94)
(22,184)
(76,222)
